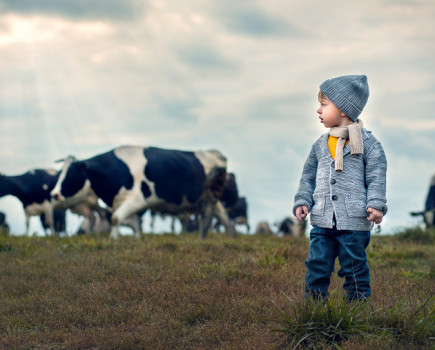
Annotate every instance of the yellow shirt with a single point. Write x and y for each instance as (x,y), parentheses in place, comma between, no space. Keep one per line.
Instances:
(332,145)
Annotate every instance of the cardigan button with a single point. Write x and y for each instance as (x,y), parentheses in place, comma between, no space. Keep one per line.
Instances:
(334,197)
(332,181)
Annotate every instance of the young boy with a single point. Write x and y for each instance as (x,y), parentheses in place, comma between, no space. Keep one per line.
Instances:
(343,186)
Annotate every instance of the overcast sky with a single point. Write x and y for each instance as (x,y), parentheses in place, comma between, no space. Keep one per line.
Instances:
(82,77)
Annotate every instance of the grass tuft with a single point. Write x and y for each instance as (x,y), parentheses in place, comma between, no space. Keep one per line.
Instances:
(417,235)
(308,323)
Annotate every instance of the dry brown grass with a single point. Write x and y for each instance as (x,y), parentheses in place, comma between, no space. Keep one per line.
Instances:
(168,291)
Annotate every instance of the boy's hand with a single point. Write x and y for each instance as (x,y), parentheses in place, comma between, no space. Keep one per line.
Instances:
(375,215)
(301,212)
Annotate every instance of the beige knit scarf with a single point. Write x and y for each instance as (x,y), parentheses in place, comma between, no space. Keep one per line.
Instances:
(351,132)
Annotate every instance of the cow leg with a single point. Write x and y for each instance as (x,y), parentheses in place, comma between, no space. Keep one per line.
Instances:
(28,224)
(184,218)
(173,218)
(104,225)
(220,212)
(96,222)
(152,221)
(49,221)
(134,222)
(205,220)
(100,215)
(84,226)
(124,211)
(137,223)
(114,232)
(88,223)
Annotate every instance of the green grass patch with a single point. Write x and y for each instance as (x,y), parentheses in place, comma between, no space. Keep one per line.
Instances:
(179,292)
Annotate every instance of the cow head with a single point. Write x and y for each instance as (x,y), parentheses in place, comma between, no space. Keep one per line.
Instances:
(215,168)
(72,185)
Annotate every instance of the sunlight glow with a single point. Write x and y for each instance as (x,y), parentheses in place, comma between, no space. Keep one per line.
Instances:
(25,30)
(35,30)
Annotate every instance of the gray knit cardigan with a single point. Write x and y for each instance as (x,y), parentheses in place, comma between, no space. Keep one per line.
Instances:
(348,194)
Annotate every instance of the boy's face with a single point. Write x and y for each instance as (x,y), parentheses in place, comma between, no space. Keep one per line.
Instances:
(330,115)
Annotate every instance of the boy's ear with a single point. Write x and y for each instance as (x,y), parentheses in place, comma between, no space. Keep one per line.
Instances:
(343,114)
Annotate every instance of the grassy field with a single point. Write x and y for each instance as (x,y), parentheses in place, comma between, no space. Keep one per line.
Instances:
(178,292)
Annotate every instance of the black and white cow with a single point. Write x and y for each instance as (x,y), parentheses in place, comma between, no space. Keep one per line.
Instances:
(33,190)
(291,227)
(429,209)
(130,179)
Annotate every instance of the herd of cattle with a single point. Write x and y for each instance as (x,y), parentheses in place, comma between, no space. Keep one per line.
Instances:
(193,187)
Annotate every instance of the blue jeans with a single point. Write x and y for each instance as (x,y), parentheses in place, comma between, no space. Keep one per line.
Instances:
(349,246)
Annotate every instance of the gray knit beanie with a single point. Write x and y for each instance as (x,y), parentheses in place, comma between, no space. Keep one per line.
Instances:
(349,93)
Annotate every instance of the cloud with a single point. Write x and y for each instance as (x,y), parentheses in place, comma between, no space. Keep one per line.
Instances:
(281,106)
(249,19)
(256,23)
(205,58)
(409,143)
(77,9)
(178,109)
